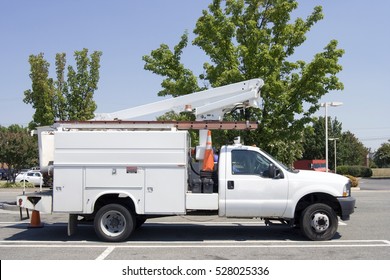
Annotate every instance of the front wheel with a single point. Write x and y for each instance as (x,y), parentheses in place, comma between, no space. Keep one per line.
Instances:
(114,223)
(319,222)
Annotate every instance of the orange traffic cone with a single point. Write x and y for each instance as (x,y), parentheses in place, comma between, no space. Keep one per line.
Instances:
(35,220)
(208,161)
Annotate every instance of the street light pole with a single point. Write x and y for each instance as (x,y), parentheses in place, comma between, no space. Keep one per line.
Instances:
(335,152)
(326,138)
(326,104)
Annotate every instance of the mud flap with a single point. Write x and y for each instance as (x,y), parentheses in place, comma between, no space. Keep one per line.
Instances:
(72,224)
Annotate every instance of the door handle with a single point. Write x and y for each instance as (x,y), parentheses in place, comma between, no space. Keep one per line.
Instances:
(230,185)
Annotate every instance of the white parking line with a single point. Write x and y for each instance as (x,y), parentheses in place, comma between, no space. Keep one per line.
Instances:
(206,244)
(106,252)
(198,244)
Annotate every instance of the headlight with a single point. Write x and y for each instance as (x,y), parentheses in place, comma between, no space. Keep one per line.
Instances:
(347,188)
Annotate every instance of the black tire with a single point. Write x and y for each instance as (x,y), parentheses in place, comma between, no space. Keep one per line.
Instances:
(319,222)
(114,223)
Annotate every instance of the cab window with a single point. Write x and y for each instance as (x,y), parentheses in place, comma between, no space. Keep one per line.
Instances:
(246,162)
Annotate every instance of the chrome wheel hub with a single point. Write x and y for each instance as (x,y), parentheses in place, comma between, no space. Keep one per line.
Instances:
(320,222)
(113,223)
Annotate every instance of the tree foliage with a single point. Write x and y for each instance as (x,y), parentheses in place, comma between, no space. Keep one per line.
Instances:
(164,62)
(40,96)
(247,39)
(61,99)
(382,155)
(82,83)
(349,150)
(18,148)
(314,139)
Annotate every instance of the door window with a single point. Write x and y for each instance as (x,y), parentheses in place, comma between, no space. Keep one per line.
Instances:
(246,162)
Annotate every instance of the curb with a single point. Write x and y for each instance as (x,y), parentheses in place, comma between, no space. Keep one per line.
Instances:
(9,207)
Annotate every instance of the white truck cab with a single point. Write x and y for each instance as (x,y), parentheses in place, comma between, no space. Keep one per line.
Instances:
(257,185)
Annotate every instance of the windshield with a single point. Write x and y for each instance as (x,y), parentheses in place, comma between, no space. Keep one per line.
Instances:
(280,163)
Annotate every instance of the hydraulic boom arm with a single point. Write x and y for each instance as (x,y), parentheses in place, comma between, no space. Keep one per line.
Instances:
(209,104)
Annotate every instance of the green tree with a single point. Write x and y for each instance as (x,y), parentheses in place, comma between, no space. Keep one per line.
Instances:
(40,96)
(247,39)
(164,62)
(18,148)
(82,84)
(60,105)
(382,155)
(350,151)
(314,139)
(61,99)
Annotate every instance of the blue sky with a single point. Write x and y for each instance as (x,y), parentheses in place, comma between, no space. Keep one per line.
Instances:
(126,30)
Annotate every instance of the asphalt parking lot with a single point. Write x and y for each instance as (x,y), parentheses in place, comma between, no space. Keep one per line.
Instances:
(365,237)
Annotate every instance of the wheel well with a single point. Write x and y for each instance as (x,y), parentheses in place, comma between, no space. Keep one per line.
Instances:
(105,199)
(312,198)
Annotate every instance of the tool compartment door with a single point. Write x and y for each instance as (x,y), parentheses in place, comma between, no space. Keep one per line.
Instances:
(68,190)
(165,190)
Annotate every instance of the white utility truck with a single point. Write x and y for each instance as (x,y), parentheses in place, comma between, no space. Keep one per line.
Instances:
(120,173)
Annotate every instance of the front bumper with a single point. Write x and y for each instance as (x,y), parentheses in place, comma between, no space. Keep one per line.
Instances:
(347,205)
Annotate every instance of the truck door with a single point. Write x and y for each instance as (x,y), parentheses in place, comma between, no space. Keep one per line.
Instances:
(250,192)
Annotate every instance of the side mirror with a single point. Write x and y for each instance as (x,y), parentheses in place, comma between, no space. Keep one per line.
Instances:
(274,172)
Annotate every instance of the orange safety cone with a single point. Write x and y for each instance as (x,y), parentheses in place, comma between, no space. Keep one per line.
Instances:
(35,221)
(208,161)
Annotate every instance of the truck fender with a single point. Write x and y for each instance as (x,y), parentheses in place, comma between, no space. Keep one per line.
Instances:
(124,198)
(312,198)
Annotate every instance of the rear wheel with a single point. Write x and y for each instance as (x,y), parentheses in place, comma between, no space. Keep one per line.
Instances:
(114,223)
(319,222)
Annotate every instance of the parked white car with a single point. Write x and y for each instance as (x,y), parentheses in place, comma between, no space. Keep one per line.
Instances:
(31,176)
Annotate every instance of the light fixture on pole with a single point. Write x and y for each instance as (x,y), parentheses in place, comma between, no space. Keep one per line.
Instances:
(326,104)
(335,151)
